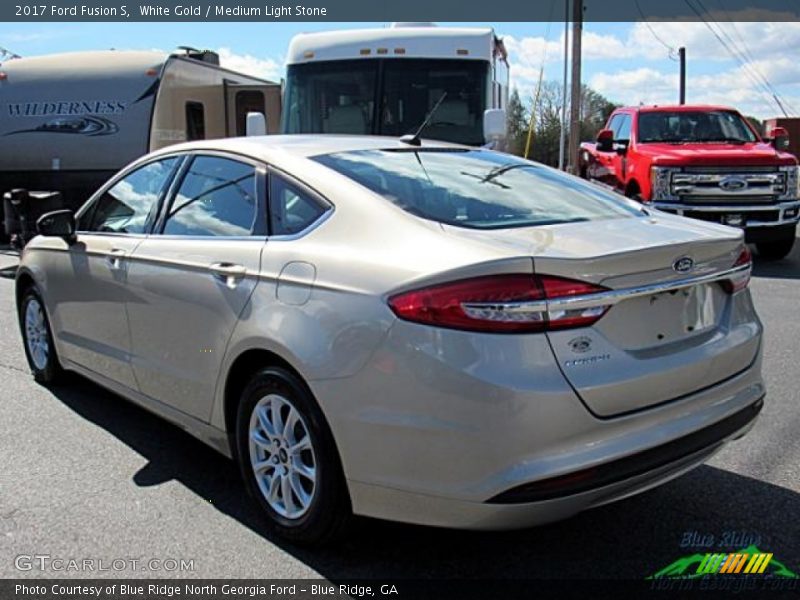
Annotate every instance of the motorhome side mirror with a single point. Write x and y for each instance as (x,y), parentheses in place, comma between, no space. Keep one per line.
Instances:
(605,140)
(57,223)
(779,138)
(256,124)
(494,125)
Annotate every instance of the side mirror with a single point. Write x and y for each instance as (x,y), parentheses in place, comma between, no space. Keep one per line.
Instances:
(605,140)
(779,138)
(256,124)
(494,125)
(57,223)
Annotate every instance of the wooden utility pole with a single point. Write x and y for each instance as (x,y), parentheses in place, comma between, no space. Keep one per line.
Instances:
(682,86)
(562,134)
(575,95)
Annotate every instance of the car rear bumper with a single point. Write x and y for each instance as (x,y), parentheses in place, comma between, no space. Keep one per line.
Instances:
(399,505)
(437,439)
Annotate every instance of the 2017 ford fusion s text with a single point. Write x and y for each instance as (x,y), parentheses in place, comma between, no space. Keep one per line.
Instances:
(427,333)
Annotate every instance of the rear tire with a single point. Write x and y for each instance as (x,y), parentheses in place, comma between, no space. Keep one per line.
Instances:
(775,250)
(37,338)
(293,473)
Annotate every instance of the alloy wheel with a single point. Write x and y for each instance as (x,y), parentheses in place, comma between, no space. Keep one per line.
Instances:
(282,456)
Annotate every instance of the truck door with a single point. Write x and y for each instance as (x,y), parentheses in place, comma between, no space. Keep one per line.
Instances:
(241,99)
(602,169)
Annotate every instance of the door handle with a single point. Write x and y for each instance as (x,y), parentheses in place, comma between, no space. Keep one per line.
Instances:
(114,258)
(229,273)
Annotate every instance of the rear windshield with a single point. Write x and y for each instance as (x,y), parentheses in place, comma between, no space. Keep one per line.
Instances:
(478,189)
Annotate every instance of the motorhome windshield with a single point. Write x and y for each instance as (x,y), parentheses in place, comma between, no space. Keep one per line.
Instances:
(694,127)
(387,97)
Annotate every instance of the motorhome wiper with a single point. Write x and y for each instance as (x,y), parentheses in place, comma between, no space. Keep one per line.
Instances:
(413,139)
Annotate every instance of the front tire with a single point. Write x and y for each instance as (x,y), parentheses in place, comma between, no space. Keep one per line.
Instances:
(37,338)
(775,250)
(289,460)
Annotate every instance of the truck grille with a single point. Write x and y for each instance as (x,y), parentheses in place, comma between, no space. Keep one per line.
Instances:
(729,185)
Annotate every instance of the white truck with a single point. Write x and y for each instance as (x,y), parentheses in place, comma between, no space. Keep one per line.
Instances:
(385,81)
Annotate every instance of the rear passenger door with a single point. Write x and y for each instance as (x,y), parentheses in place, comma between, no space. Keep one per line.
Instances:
(193,277)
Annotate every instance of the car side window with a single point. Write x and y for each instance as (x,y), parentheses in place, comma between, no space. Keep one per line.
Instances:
(126,206)
(217,197)
(623,134)
(291,208)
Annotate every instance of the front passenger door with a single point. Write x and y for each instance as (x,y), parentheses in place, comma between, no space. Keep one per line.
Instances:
(90,280)
(193,278)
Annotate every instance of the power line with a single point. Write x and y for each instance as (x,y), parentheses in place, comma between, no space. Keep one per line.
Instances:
(745,51)
(7,54)
(763,89)
(670,49)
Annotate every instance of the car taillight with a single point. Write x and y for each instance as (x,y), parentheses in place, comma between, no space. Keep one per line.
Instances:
(499,303)
(741,280)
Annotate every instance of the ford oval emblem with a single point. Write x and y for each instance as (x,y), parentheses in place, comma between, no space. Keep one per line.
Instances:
(733,184)
(580,344)
(683,265)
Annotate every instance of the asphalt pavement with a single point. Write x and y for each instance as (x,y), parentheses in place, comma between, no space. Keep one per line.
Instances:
(84,474)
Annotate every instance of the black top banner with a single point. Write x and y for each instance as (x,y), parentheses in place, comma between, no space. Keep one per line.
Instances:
(405,10)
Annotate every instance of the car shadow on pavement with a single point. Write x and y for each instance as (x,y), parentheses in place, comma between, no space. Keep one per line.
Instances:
(629,539)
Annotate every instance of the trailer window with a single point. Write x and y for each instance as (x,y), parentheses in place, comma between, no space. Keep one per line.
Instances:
(195,121)
(247,101)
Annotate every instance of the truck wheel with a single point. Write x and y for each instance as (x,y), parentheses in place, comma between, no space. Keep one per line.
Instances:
(775,250)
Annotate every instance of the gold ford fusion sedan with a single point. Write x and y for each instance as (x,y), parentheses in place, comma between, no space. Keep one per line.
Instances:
(427,333)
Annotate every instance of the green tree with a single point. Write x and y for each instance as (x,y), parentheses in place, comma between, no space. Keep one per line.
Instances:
(595,110)
(517,118)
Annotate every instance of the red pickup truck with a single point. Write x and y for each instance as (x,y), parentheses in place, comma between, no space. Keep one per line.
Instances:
(705,162)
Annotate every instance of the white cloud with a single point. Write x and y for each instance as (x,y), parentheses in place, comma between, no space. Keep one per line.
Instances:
(768,50)
(265,68)
(646,85)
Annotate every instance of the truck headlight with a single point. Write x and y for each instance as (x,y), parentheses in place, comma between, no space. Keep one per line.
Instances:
(661,184)
(792,189)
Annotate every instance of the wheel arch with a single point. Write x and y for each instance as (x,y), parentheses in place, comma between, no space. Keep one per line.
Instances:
(237,377)
(632,188)
(24,280)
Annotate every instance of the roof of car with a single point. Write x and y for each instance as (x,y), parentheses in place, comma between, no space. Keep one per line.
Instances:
(303,145)
(678,108)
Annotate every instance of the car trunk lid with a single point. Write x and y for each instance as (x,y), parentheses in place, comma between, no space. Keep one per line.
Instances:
(671,327)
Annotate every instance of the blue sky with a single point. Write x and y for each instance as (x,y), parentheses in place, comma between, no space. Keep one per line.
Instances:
(624,61)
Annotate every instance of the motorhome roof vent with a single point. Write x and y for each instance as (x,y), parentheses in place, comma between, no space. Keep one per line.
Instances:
(207,56)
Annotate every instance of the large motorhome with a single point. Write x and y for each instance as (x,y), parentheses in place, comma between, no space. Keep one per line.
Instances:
(385,81)
(70,121)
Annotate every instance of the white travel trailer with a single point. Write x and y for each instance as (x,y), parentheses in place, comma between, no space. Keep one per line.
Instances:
(70,121)
(385,81)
